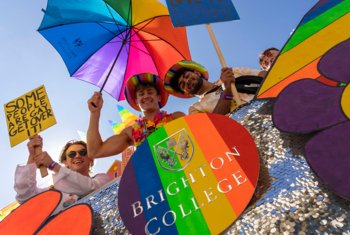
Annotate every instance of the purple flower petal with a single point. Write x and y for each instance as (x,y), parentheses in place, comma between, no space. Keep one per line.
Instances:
(328,153)
(335,64)
(308,105)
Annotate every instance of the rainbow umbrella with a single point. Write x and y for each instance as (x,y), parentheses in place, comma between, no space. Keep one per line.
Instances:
(106,42)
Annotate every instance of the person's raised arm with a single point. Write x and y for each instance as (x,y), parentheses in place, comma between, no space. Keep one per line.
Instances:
(97,148)
(93,137)
(224,104)
(25,175)
(113,145)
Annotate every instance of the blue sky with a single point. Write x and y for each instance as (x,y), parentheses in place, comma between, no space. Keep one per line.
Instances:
(28,61)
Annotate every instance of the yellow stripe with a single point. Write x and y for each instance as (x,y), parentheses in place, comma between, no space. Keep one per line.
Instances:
(345,101)
(218,213)
(307,51)
(145,9)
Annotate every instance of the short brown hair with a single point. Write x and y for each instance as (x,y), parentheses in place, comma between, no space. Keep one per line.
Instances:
(262,54)
(144,86)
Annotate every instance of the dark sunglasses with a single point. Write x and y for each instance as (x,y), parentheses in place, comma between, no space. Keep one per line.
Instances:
(82,153)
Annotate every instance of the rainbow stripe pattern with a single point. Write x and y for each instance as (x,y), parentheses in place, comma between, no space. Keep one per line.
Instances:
(127,118)
(323,27)
(205,193)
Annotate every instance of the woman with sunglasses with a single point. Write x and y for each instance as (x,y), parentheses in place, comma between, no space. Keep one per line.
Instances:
(72,180)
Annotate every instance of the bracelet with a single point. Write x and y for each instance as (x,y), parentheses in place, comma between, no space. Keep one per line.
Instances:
(52,165)
(224,96)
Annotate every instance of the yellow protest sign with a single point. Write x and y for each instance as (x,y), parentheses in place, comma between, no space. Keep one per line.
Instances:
(28,115)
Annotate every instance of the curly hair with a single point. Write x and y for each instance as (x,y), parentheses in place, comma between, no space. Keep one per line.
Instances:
(174,83)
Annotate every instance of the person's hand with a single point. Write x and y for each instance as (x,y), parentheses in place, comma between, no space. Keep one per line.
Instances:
(95,103)
(34,142)
(43,159)
(227,77)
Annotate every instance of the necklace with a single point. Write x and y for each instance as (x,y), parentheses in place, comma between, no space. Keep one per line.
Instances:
(148,127)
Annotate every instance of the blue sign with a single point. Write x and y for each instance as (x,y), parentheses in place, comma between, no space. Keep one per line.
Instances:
(192,12)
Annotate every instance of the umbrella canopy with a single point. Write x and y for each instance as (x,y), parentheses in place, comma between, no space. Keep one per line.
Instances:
(106,42)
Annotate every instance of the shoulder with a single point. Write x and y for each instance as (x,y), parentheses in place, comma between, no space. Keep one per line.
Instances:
(177,114)
(102,178)
(127,129)
(242,71)
(125,136)
(195,108)
(127,133)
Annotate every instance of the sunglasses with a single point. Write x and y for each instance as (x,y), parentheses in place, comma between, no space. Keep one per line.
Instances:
(73,154)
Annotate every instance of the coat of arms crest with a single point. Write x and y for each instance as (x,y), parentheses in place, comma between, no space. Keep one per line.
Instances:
(175,152)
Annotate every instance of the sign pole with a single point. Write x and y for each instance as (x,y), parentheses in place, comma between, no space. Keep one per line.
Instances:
(43,169)
(223,63)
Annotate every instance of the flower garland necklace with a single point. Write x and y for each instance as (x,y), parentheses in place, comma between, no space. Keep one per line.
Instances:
(144,127)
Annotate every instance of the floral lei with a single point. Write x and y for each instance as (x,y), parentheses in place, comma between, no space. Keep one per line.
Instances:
(143,127)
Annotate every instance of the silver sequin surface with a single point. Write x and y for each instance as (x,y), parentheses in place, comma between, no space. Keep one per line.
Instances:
(289,198)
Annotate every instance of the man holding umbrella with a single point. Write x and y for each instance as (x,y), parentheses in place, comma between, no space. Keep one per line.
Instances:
(144,92)
(187,79)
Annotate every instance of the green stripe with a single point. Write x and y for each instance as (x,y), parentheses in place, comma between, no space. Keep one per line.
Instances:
(195,222)
(317,24)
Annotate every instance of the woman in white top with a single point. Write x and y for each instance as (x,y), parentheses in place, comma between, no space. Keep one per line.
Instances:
(72,180)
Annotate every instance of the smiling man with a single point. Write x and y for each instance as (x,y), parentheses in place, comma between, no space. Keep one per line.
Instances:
(144,92)
(187,79)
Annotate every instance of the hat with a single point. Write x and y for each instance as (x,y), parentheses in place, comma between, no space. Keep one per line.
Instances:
(144,78)
(172,76)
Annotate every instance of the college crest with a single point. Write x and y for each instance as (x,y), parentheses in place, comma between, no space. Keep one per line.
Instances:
(175,152)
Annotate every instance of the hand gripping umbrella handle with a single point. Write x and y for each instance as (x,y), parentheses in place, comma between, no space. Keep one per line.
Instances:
(92,103)
(43,169)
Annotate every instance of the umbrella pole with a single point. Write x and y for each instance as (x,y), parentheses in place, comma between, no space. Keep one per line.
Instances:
(115,61)
(110,71)
(223,63)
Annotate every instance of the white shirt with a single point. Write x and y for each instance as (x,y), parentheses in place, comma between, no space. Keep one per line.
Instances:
(71,184)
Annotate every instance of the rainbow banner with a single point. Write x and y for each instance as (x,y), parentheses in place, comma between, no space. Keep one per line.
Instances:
(117,127)
(127,117)
(322,28)
(195,175)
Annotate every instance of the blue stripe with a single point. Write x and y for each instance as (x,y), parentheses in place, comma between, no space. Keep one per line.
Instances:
(149,183)
(319,10)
